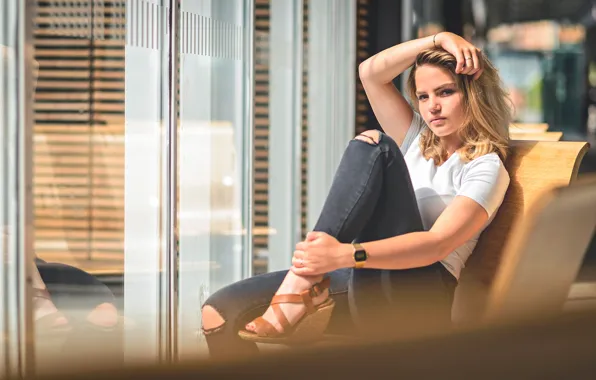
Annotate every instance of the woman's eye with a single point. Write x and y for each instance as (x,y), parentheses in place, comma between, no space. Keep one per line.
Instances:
(422,97)
(447,92)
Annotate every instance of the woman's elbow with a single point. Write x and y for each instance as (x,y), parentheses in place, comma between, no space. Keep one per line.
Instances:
(443,247)
(364,71)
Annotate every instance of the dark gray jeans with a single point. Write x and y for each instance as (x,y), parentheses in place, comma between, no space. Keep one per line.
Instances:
(371,198)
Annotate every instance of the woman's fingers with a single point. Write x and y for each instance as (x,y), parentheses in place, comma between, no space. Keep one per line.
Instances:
(302,271)
(301,246)
(475,62)
(459,56)
(469,61)
(298,259)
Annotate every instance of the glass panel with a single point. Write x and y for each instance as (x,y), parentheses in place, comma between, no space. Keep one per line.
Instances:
(11,132)
(213,162)
(99,107)
(146,112)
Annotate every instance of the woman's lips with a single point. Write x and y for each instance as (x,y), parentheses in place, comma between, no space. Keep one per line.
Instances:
(438,120)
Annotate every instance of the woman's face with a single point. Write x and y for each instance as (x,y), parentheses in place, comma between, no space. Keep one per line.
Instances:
(439,100)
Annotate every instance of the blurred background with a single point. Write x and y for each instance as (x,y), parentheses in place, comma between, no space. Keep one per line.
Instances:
(255,100)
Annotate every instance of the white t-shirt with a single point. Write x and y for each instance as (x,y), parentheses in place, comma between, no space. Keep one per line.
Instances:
(484,179)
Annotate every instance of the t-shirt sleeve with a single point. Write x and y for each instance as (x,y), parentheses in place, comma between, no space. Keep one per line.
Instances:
(485,180)
(415,128)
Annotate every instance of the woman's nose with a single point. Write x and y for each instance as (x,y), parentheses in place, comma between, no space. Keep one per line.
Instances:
(435,107)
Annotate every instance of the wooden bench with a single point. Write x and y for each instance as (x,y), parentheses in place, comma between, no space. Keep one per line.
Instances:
(536,136)
(544,253)
(528,127)
(535,168)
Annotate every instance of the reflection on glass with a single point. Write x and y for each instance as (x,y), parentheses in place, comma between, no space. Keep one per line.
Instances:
(97,178)
(212,129)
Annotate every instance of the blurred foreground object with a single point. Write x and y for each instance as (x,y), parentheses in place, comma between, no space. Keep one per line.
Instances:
(559,348)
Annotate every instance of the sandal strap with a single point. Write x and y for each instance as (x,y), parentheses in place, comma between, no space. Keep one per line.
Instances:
(286,298)
(305,297)
(264,328)
(320,287)
(281,318)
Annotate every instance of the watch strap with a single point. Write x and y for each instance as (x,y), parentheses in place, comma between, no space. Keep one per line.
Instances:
(358,247)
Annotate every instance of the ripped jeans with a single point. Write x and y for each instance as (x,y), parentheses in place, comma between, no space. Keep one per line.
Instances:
(371,198)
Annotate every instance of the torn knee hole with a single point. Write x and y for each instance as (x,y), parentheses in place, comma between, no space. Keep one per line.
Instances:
(211,331)
(212,320)
(371,137)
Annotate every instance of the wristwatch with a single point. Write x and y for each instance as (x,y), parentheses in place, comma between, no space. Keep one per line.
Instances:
(360,255)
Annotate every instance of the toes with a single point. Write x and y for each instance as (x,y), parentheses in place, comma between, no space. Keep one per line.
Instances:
(60,322)
(105,315)
(250,326)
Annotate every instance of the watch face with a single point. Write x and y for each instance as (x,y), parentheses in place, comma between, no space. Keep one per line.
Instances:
(360,255)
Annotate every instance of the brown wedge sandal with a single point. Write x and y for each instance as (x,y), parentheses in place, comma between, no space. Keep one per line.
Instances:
(309,328)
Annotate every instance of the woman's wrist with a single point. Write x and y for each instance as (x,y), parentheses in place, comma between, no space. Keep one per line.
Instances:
(346,256)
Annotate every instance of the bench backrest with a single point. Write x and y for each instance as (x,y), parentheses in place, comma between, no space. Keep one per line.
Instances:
(534,167)
(528,127)
(536,136)
(544,253)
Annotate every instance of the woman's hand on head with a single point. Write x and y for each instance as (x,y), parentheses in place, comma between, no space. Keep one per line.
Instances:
(318,254)
(468,57)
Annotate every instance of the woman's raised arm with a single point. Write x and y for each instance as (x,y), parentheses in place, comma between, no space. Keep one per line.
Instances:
(377,73)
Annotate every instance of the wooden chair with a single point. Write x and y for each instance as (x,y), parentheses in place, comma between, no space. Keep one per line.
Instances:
(528,127)
(544,253)
(534,167)
(536,136)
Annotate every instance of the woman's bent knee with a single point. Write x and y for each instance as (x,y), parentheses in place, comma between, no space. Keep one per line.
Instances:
(211,319)
(378,138)
(372,136)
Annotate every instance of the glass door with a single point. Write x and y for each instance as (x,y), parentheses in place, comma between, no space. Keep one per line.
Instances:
(100,137)
(15,266)
(215,155)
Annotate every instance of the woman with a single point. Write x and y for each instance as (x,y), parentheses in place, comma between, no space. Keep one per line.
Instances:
(403,214)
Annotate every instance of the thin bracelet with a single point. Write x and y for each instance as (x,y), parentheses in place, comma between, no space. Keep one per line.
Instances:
(434,43)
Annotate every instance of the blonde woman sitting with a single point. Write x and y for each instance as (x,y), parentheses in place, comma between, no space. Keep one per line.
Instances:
(403,214)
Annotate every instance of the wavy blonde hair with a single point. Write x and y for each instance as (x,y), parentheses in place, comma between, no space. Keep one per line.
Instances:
(487,108)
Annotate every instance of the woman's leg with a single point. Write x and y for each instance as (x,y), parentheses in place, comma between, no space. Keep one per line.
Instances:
(384,302)
(371,199)
(72,287)
(230,308)
(371,176)
(43,306)
(372,170)
(371,196)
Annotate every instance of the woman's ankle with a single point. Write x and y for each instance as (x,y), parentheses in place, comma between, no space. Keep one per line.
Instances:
(294,283)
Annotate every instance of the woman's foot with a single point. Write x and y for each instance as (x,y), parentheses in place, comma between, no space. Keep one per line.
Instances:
(292,284)
(43,307)
(104,316)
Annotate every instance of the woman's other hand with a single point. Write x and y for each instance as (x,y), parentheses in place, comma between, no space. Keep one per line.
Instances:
(468,57)
(320,253)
